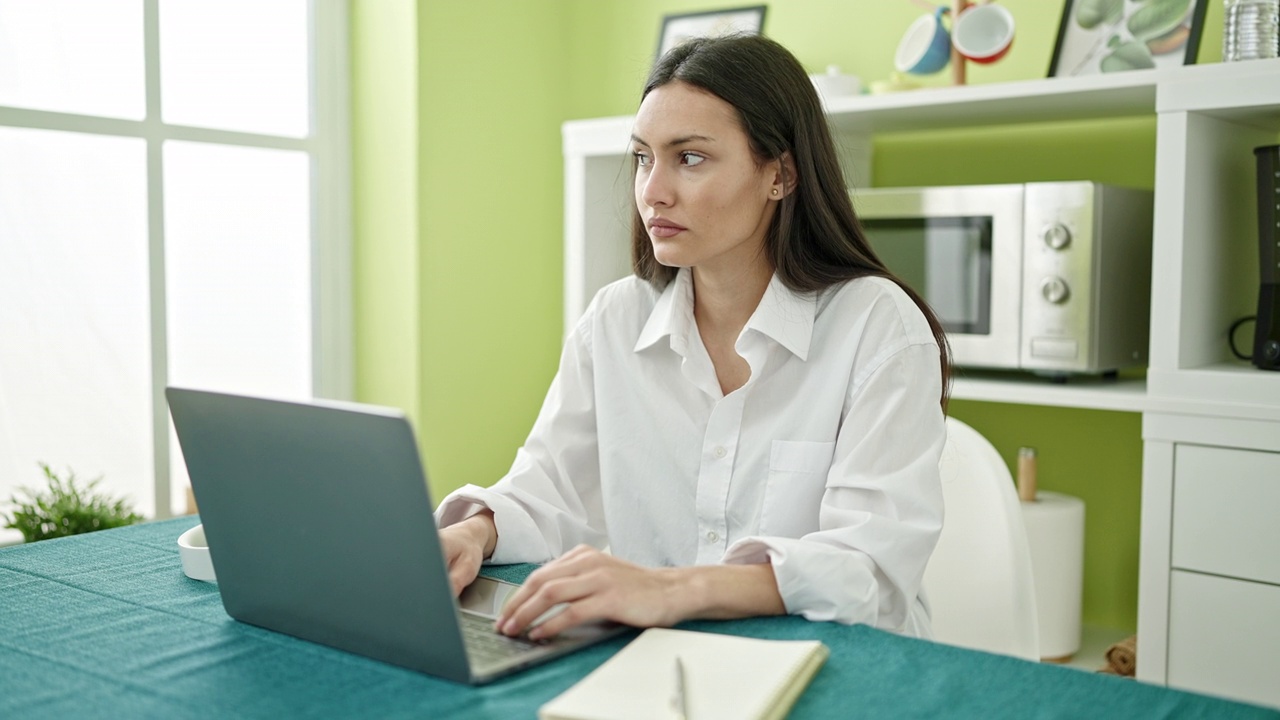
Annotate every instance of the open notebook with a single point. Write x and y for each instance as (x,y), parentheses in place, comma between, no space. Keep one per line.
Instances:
(724,676)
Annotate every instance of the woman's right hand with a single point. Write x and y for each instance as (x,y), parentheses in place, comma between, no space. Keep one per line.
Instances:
(465,546)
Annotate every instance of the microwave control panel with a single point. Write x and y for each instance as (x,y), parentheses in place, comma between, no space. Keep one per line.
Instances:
(1086,277)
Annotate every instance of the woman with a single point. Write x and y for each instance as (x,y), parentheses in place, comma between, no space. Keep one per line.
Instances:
(752,423)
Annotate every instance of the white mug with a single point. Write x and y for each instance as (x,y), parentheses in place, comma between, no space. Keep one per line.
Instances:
(983,33)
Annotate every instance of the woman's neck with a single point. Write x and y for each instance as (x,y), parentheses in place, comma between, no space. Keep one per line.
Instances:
(724,301)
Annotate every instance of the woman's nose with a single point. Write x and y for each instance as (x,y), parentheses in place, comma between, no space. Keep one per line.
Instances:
(656,187)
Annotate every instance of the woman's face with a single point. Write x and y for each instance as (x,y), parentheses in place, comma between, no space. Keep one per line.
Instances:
(705,201)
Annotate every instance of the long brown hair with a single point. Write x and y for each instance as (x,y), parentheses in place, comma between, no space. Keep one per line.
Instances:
(814,240)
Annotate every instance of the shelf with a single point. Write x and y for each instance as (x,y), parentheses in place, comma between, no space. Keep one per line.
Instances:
(1236,390)
(1124,395)
(1230,390)
(596,137)
(1241,91)
(1054,99)
(1045,100)
(1244,91)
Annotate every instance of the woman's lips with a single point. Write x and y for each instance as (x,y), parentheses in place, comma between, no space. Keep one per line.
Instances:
(664,229)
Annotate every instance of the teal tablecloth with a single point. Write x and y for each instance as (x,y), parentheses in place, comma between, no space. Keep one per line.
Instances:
(106,625)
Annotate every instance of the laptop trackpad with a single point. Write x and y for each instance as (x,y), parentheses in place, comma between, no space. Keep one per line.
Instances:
(487,596)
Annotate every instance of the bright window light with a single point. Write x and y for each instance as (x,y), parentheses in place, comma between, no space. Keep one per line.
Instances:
(75,342)
(238,272)
(75,56)
(205,183)
(235,65)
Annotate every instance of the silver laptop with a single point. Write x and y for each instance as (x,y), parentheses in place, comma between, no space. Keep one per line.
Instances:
(319,525)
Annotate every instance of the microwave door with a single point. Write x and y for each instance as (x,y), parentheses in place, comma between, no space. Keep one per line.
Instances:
(960,248)
(947,260)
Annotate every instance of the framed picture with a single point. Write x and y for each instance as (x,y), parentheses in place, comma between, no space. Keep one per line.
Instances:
(1102,36)
(712,23)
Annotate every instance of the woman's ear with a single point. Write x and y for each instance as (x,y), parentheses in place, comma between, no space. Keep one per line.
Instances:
(784,178)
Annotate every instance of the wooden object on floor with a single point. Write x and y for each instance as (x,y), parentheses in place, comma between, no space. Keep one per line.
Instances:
(1122,657)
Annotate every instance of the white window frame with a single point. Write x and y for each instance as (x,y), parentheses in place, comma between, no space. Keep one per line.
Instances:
(328,146)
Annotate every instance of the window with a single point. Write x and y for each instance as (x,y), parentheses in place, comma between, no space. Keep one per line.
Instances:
(174,209)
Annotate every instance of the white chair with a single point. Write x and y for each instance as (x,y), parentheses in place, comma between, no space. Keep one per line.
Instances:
(979,583)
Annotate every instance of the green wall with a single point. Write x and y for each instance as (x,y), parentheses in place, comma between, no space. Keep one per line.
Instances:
(457,180)
(384,124)
(1093,455)
(491,103)
(458,206)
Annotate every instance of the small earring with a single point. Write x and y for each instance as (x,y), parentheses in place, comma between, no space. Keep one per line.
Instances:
(775,192)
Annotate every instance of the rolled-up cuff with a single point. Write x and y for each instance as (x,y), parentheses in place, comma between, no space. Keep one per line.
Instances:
(815,581)
(519,540)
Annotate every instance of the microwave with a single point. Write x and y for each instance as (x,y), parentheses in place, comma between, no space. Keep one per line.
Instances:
(1048,277)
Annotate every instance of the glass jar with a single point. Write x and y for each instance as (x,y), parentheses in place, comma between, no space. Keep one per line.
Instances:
(1250,29)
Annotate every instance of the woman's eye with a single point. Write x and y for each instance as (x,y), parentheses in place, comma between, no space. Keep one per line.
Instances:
(641,159)
(689,159)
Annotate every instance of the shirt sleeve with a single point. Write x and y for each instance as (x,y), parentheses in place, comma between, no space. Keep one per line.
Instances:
(881,512)
(549,501)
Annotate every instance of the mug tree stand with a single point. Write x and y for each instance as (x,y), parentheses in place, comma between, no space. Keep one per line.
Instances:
(958,61)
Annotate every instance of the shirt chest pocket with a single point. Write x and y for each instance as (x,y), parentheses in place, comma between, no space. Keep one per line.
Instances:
(793,492)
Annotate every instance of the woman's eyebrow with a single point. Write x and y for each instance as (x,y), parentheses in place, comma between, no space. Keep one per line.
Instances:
(675,142)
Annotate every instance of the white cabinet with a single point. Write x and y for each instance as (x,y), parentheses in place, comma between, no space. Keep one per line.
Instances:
(1204,276)
(1224,512)
(1223,638)
(1209,584)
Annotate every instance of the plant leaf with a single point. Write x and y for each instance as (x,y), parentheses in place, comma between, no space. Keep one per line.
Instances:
(1156,18)
(1092,13)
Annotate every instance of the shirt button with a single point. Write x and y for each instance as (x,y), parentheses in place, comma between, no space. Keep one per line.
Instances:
(720,451)
(712,536)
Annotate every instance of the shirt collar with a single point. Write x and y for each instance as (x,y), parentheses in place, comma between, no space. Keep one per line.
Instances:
(786,317)
(672,315)
(783,315)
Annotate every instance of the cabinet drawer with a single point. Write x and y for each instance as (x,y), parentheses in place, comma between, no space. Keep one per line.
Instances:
(1223,637)
(1225,508)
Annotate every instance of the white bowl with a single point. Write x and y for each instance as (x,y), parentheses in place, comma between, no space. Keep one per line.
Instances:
(194,551)
(834,84)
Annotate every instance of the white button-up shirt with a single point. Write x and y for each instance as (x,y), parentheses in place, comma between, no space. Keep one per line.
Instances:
(825,463)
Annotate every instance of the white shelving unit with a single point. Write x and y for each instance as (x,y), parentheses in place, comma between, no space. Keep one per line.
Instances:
(1205,260)
(1209,581)
(1195,395)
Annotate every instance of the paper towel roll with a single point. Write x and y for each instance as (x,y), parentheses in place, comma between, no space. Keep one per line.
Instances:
(1055,531)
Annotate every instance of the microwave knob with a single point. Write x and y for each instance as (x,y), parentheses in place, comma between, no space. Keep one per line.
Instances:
(1054,289)
(1056,236)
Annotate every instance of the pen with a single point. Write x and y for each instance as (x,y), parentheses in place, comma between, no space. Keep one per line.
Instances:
(680,701)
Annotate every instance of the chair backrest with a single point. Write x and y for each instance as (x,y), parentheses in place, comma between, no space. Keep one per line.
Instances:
(979,582)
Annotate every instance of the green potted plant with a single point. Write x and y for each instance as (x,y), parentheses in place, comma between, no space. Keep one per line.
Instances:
(66,507)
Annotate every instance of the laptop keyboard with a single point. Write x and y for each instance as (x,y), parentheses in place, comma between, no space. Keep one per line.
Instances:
(486,645)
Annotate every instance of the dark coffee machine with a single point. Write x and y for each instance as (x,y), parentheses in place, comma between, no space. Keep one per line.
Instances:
(1266,336)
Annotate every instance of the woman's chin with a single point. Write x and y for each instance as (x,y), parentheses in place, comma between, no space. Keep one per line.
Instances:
(669,256)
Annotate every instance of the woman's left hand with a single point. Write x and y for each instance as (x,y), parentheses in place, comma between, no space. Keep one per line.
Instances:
(594,586)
